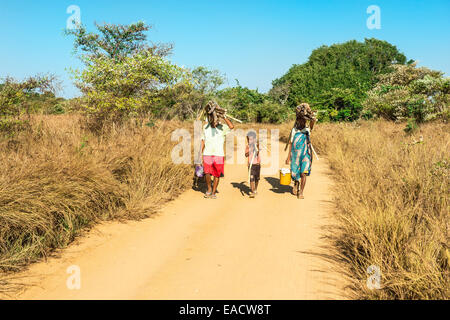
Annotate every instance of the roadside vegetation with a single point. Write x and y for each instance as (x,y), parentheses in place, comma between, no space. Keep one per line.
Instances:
(392,205)
(69,163)
(57,178)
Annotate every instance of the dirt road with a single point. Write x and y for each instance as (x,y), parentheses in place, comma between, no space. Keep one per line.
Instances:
(233,247)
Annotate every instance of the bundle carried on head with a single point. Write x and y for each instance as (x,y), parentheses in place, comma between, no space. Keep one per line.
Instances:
(304,112)
(214,113)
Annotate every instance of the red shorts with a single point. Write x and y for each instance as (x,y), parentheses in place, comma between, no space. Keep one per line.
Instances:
(213,165)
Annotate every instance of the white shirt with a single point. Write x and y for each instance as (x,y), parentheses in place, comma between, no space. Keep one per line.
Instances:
(214,139)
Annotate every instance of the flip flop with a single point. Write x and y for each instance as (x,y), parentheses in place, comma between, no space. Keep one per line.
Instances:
(207,195)
(213,196)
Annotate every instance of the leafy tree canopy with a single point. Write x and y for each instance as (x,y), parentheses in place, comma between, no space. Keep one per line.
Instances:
(352,66)
(116,41)
(251,105)
(410,92)
(186,99)
(17,97)
(123,75)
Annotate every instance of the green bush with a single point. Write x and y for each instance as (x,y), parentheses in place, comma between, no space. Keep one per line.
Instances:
(410,92)
(240,101)
(25,97)
(339,105)
(411,126)
(123,76)
(186,99)
(56,109)
(271,112)
(11,127)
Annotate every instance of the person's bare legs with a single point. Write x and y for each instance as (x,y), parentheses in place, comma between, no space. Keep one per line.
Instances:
(215,184)
(295,187)
(208,183)
(302,186)
(252,186)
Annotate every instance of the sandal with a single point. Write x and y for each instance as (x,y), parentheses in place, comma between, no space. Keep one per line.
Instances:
(213,196)
(208,195)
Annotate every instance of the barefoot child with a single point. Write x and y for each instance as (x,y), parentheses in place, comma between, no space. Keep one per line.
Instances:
(254,162)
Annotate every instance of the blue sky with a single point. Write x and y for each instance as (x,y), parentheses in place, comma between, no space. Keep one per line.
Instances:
(252,41)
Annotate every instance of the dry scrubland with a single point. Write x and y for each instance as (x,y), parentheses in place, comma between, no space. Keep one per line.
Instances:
(56,180)
(391,194)
(392,199)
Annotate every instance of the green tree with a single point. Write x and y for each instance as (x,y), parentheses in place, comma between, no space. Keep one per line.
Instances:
(187,99)
(123,76)
(21,98)
(17,97)
(410,92)
(116,41)
(252,106)
(339,104)
(351,65)
(241,102)
(115,90)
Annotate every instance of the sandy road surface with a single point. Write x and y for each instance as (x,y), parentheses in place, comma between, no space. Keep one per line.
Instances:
(233,247)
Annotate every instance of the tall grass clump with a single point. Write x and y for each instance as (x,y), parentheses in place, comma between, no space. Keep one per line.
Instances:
(56,179)
(392,199)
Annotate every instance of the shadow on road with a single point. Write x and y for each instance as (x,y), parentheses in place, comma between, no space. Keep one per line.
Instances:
(199,184)
(243,188)
(276,186)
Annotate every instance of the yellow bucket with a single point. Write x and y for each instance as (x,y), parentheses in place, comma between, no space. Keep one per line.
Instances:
(285,177)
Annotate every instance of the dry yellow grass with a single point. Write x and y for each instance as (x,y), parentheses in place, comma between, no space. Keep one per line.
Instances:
(392,201)
(391,194)
(57,180)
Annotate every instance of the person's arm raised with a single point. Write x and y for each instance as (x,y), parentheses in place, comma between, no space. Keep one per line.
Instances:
(312,123)
(229,123)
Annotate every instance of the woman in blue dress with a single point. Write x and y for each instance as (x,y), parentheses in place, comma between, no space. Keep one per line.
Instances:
(300,151)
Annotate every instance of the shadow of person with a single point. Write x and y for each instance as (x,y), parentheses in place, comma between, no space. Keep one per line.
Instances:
(199,184)
(243,188)
(276,186)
